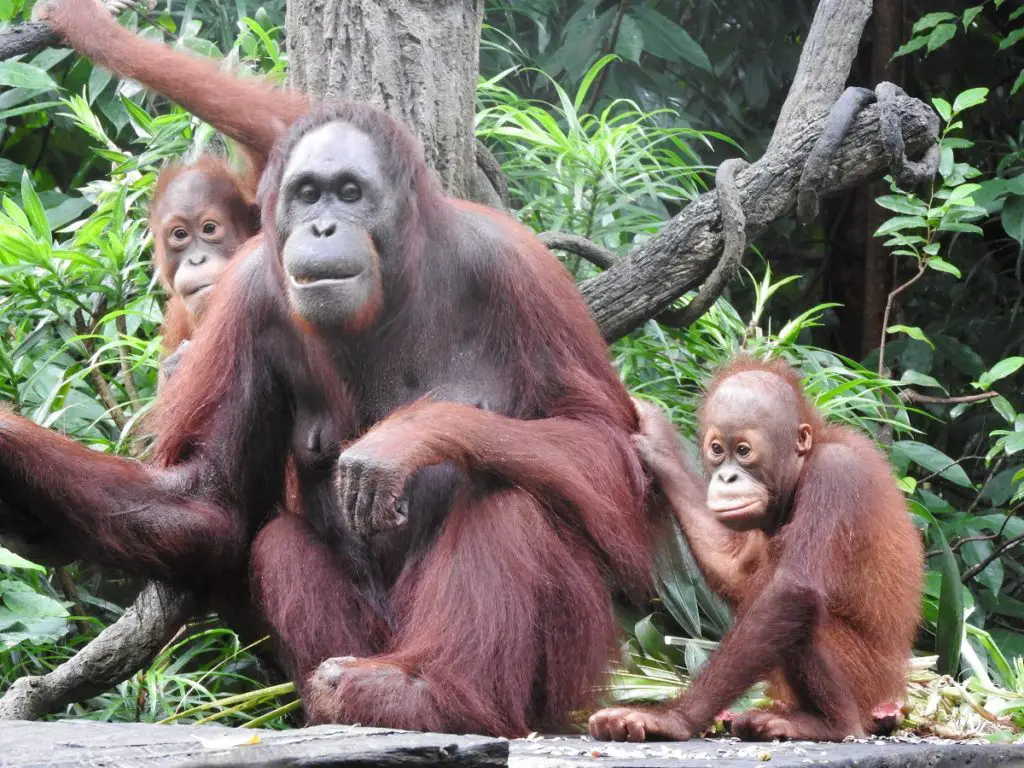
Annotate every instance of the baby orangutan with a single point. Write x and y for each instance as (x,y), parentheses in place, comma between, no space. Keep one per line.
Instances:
(805,533)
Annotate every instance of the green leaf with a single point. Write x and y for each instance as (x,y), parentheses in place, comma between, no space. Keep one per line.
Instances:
(912,331)
(914,44)
(930,20)
(667,40)
(970,15)
(28,604)
(941,35)
(970,98)
(902,204)
(912,378)
(9,559)
(941,265)
(1000,370)
(1018,83)
(34,209)
(1013,218)
(1011,39)
(943,107)
(630,43)
(17,74)
(934,461)
(1004,408)
(949,626)
(899,223)
(1014,443)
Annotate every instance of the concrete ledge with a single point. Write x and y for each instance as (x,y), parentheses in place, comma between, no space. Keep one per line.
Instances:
(73,743)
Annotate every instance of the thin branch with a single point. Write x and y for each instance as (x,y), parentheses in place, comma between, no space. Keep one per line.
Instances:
(985,562)
(595,94)
(95,377)
(933,475)
(579,246)
(888,309)
(126,368)
(491,168)
(912,396)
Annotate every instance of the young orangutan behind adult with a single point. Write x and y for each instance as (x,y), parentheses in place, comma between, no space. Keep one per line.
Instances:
(201,215)
(808,537)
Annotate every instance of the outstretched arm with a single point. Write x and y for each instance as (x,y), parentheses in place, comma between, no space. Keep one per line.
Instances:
(250,110)
(218,470)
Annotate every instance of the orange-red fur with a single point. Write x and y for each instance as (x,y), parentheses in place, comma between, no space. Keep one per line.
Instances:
(827,596)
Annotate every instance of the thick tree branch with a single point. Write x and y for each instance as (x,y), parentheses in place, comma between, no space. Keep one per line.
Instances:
(29,38)
(579,246)
(117,653)
(682,255)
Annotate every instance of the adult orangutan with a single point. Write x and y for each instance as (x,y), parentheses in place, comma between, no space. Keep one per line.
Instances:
(472,599)
(808,537)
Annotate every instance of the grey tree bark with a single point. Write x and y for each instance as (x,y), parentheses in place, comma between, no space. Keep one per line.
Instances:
(419,61)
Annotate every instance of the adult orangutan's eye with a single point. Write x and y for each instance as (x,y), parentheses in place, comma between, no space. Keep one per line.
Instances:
(350,192)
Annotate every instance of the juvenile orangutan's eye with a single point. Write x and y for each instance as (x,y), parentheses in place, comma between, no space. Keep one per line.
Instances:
(717,449)
(179,233)
(350,192)
(309,194)
(743,450)
(209,228)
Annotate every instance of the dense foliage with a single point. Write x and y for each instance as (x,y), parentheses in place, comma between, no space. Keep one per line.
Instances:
(608,117)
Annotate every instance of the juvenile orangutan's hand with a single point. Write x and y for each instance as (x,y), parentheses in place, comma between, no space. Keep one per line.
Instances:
(657,441)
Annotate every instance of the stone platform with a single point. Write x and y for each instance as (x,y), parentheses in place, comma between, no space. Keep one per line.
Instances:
(73,743)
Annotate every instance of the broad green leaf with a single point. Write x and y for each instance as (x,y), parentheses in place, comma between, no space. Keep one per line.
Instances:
(1000,370)
(899,223)
(28,604)
(930,20)
(630,43)
(970,98)
(1011,39)
(1013,218)
(970,15)
(10,559)
(1004,408)
(934,461)
(943,107)
(667,40)
(17,74)
(912,331)
(941,265)
(949,625)
(912,45)
(1014,443)
(902,204)
(916,378)
(941,35)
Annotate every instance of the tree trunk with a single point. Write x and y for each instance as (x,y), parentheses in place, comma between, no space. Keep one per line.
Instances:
(419,61)
(887,33)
